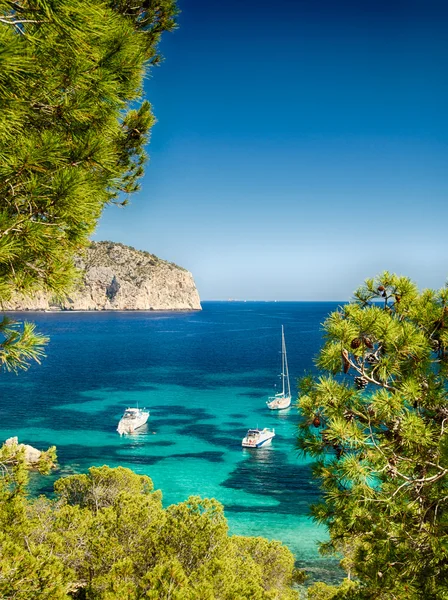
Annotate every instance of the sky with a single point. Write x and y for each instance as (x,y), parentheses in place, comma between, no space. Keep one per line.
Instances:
(301,147)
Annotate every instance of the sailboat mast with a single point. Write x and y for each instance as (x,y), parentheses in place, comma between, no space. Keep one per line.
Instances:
(285,361)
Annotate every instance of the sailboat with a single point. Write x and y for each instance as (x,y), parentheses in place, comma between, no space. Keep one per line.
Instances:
(282,399)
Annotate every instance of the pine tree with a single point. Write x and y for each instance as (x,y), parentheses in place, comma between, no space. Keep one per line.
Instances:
(106,536)
(72,129)
(376,421)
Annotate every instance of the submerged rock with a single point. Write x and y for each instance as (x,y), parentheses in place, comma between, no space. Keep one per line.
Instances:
(118,277)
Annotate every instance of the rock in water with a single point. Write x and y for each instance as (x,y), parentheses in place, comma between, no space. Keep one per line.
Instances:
(32,455)
(118,277)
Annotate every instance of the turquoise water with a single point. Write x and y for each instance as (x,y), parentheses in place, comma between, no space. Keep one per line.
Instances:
(205,376)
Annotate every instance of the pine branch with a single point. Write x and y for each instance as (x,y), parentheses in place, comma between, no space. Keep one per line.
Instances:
(17,22)
(20,345)
(361,371)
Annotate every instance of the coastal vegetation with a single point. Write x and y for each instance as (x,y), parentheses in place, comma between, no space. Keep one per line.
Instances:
(108,245)
(73,127)
(105,535)
(375,420)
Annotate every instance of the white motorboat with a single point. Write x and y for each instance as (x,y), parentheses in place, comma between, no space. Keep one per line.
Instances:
(132,419)
(255,438)
(282,399)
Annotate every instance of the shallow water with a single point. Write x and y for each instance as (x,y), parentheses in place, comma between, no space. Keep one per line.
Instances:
(205,376)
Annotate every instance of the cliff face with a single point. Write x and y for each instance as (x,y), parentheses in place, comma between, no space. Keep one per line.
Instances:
(117,277)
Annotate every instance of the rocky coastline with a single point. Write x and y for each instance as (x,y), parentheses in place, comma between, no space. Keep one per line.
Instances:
(119,277)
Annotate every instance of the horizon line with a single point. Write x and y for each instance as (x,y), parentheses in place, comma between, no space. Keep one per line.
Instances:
(235,300)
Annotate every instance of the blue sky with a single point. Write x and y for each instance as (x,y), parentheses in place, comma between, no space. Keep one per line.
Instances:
(301,146)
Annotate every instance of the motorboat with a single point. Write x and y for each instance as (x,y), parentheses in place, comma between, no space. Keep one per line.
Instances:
(255,438)
(132,419)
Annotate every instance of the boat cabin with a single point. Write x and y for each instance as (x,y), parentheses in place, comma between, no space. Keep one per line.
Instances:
(131,413)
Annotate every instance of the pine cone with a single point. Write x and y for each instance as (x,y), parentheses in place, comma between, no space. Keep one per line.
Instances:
(368,342)
(355,343)
(316,421)
(324,435)
(361,383)
(381,288)
(371,358)
(348,415)
(395,425)
(435,345)
(442,412)
(392,471)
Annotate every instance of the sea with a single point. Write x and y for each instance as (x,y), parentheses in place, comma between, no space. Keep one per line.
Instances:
(205,377)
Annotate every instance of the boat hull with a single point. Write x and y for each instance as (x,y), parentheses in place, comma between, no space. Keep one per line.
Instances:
(279,403)
(263,439)
(247,444)
(124,426)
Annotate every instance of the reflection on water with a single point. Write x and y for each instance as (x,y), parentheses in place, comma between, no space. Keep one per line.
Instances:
(259,454)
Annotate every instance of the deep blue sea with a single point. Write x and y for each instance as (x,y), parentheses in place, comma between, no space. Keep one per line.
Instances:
(205,377)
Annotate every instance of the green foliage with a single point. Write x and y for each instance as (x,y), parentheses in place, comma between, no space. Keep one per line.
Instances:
(19,345)
(26,575)
(273,562)
(106,536)
(72,132)
(101,487)
(14,469)
(376,421)
(68,142)
(348,590)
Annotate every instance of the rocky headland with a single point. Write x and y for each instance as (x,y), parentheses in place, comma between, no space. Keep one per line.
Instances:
(118,277)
